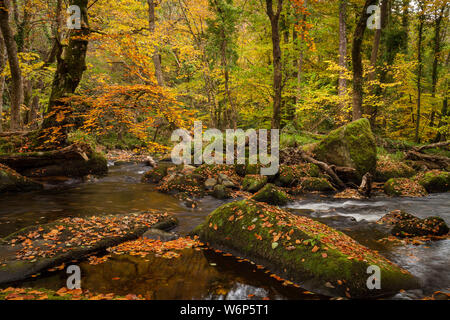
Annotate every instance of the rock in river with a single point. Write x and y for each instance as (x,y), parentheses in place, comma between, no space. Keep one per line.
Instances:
(406,225)
(301,250)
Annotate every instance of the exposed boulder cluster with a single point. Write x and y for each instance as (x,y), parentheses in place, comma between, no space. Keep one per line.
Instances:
(406,225)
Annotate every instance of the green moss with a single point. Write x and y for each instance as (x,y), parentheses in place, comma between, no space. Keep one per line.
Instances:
(272,195)
(316,184)
(436,181)
(299,249)
(254,183)
(291,175)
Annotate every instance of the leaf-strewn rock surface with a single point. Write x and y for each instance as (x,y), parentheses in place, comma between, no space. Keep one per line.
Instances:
(300,249)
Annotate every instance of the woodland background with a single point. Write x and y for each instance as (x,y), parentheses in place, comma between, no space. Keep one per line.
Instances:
(137,70)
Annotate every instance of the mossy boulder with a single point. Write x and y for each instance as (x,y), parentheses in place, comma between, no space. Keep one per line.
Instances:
(221,192)
(436,181)
(388,169)
(272,195)
(301,250)
(11,181)
(404,187)
(254,183)
(291,175)
(351,146)
(316,184)
(406,225)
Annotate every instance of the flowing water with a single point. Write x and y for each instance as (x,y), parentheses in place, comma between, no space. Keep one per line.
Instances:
(205,274)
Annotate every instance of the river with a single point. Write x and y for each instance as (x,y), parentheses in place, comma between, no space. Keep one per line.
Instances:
(205,274)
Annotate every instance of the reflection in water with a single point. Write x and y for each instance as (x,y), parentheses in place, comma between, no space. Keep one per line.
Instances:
(195,275)
(205,274)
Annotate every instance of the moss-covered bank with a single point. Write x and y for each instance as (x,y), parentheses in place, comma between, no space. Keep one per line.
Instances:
(11,181)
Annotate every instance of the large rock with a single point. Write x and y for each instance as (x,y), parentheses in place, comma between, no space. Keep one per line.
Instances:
(351,146)
(406,225)
(301,250)
(436,181)
(11,181)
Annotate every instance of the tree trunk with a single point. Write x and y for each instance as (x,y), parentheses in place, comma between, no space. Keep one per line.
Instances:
(357,61)
(405,25)
(301,55)
(419,73)
(342,87)
(70,68)
(16,73)
(2,78)
(277,65)
(156,56)
(374,55)
(57,35)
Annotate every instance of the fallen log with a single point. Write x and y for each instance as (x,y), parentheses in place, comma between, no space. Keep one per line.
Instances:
(325,167)
(442,161)
(433,145)
(76,160)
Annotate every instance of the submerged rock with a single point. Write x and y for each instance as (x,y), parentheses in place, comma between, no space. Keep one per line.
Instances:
(254,183)
(210,183)
(404,187)
(406,225)
(272,195)
(11,181)
(351,146)
(192,184)
(436,181)
(300,250)
(221,192)
(157,234)
(156,174)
